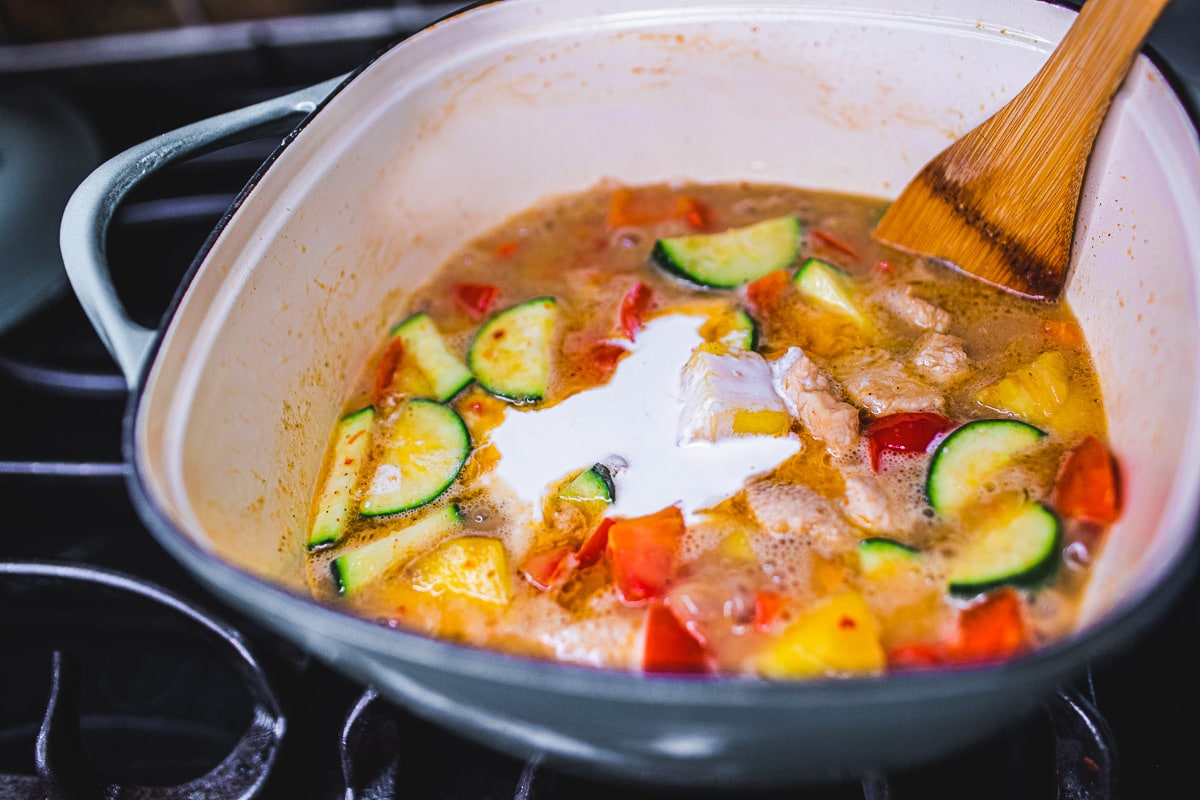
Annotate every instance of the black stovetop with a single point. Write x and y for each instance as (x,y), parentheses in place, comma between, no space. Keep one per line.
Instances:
(146,698)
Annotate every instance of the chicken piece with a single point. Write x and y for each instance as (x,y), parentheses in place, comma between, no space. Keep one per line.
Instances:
(810,397)
(886,504)
(796,510)
(876,381)
(916,311)
(939,357)
(867,504)
(729,394)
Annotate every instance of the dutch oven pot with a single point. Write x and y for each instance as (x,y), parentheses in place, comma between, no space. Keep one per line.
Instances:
(381,175)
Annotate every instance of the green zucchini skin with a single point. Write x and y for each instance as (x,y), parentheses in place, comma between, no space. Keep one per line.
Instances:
(446,372)
(747,330)
(1022,551)
(970,456)
(365,565)
(876,552)
(442,445)
(591,484)
(731,258)
(510,355)
(352,446)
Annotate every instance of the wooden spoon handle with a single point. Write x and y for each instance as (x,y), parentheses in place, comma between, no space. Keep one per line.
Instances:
(1086,69)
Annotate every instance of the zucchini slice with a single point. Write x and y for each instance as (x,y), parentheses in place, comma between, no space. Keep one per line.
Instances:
(510,356)
(970,456)
(428,446)
(441,373)
(595,484)
(733,327)
(365,565)
(734,257)
(828,284)
(879,555)
(1021,549)
(351,446)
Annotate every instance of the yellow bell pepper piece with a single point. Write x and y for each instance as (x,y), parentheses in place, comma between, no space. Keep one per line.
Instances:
(837,637)
(474,567)
(765,422)
(1034,392)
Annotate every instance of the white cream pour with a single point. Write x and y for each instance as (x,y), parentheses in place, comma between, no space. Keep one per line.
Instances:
(634,420)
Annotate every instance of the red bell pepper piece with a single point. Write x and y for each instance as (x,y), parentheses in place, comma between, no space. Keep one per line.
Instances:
(1087,487)
(905,432)
(767,608)
(834,243)
(602,357)
(990,630)
(1064,331)
(766,293)
(385,370)
(591,358)
(643,553)
(548,569)
(592,549)
(476,299)
(916,656)
(634,305)
(669,646)
(627,209)
(694,213)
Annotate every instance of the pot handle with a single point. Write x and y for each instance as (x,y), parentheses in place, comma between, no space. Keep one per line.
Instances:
(83,233)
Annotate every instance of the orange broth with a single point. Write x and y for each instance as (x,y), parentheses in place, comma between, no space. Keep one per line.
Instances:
(772,580)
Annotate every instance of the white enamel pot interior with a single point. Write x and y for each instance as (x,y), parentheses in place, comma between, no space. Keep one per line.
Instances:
(486,113)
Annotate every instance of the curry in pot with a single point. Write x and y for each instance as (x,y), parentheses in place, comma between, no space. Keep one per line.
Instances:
(717,429)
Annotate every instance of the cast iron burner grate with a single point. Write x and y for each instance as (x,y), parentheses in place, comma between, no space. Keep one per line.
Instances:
(387,753)
(145,695)
(122,692)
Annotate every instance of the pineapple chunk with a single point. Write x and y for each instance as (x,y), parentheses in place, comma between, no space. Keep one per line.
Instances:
(1034,392)
(838,637)
(474,567)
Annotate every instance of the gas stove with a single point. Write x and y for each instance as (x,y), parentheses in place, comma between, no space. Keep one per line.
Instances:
(122,677)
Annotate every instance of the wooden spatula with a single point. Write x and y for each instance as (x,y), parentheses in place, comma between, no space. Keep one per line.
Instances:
(1000,203)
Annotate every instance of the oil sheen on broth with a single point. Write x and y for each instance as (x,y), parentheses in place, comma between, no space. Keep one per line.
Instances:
(717,429)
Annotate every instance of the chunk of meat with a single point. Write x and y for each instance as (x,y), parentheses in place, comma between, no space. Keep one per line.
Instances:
(916,311)
(810,396)
(797,510)
(881,506)
(939,357)
(867,504)
(721,392)
(876,381)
